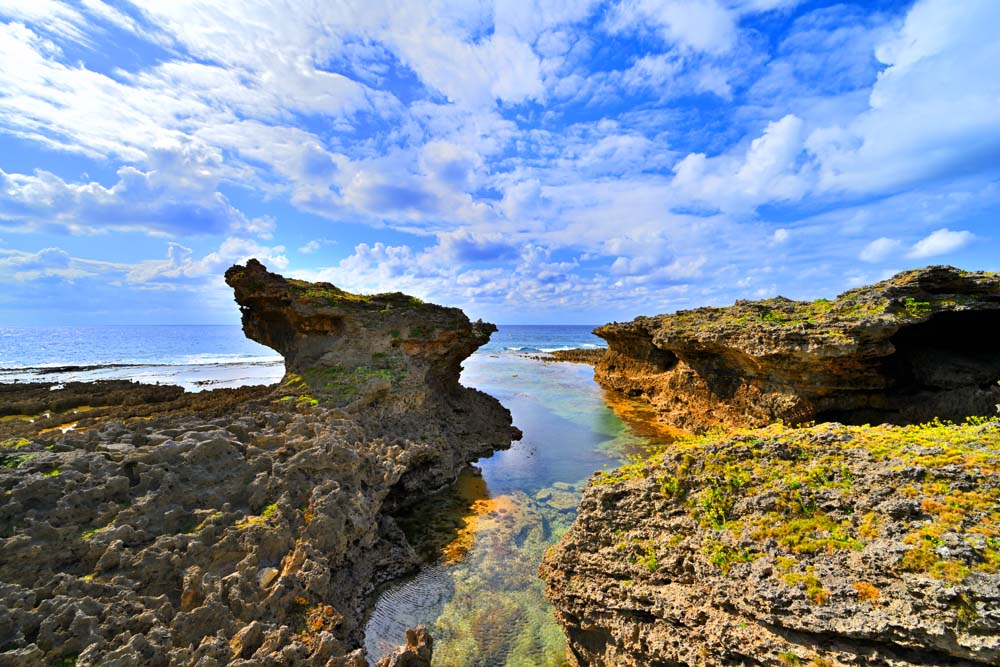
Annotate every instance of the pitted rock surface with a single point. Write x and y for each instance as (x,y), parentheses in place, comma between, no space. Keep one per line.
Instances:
(917,346)
(352,349)
(242,527)
(827,546)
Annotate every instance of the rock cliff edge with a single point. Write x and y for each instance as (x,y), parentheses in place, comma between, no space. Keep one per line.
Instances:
(917,346)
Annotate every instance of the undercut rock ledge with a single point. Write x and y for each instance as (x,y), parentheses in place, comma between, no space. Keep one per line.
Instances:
(920,345)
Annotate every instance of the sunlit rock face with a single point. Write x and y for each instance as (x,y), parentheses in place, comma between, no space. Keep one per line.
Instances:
(830,545)
(917,346)
(349,348)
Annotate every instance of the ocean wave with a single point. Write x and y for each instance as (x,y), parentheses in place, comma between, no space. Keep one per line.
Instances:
(221,360)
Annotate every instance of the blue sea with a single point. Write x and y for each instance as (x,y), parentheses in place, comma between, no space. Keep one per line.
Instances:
(200,357)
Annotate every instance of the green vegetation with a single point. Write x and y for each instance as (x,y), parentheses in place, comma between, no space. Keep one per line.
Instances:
(795,467)
(790,658)
(808,580)
(94,532)
(914,308)
(347,382)
(259,519)
(15,443)
(15,460)
(723,556)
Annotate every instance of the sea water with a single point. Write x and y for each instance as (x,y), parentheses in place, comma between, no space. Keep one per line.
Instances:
(198,357)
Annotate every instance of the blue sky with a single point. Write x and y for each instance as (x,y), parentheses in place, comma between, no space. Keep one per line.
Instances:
(549,161)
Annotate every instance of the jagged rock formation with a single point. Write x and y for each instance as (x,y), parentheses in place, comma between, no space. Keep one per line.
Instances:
(417,652)
(579,356)
(233,527)
(825,546)
(919,345)
(350,348)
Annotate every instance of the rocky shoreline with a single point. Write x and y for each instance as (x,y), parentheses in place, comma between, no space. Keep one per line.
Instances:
(237,527)
(826,545)
(917,346)
(590,356)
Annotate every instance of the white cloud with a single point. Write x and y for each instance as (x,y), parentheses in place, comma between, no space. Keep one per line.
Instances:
(699,25)
(932,111)
(768,171)
(940,242)
(314,245)
(171,200)
(879,249)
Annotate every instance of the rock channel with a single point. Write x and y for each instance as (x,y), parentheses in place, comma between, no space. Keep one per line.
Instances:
(237,527)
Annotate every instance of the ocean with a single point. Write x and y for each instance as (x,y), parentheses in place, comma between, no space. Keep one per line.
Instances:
(200,357)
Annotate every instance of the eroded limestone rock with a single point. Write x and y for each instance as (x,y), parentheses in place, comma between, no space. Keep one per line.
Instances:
(354,349)
(240,527)
(827,546)
(917,346)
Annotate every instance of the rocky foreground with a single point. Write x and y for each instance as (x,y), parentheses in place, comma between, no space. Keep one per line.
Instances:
(920,345)
(237,527)
(826,546)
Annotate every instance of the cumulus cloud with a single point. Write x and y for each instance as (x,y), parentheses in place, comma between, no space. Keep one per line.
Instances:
(932,110)
(701,25)
(769,170)
(152,202)
(515,150)
(940,242)
(879,249)
(313,245)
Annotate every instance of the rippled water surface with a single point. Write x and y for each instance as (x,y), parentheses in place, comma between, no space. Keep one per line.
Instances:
(481,595)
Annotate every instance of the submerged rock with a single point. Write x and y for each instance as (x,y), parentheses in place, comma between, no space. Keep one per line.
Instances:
(240,527)
(417,652)
(917,346)
(826,546)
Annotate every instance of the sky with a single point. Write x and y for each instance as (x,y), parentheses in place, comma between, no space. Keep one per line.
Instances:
(530,161)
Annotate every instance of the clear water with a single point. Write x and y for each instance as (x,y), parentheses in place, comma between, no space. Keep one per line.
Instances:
(482,598)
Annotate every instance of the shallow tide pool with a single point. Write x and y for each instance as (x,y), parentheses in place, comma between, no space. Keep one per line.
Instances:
(484,539)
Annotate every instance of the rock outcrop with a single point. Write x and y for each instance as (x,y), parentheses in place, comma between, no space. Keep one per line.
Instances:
(355,349)
(231,527)
(917,346)
(826,546)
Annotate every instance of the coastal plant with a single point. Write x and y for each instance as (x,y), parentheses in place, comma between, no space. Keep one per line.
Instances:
(724,556)
(259,519)
(790,658)
(812,584)
(867,592)
(88,535)
(15,460)
(914,308)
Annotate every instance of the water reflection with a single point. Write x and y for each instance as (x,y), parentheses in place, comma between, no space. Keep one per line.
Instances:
(484,539)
